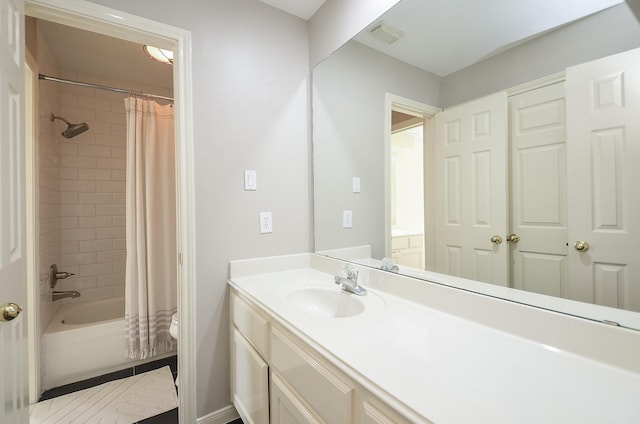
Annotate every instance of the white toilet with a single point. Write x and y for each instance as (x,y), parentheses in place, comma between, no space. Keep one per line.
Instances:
(173,330)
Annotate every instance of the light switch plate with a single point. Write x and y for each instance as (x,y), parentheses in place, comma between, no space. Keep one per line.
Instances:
(250,180)
(356,184)
(347,219)
(266,223)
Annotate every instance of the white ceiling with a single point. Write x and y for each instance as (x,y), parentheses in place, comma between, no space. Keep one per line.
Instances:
(301,8)
(441,36)
(91,53)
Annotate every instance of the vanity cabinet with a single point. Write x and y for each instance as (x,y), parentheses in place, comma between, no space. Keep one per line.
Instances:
(249,381)
(249,370)
(287,407)
(407,250)
(277,378)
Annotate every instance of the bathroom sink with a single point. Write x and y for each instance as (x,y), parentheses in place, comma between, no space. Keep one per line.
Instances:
(324,302)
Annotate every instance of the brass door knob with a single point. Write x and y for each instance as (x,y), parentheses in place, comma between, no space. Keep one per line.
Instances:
(581,246)
(496,239)
(9,311)
(513,238)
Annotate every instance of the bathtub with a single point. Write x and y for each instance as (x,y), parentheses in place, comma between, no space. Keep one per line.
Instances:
(84,340)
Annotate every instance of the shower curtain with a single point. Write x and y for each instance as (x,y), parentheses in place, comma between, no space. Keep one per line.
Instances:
(151,270)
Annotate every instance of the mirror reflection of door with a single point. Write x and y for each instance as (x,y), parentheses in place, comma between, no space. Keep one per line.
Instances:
(569,206)
(537,128)
(470,190)
(407,189)
(526,246)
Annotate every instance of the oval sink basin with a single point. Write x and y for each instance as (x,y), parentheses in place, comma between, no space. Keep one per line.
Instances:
(326,302)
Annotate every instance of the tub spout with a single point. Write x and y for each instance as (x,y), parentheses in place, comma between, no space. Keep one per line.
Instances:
(57,295)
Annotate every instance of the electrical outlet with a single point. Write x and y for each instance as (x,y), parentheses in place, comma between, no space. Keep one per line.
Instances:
(266,223)
(347,219)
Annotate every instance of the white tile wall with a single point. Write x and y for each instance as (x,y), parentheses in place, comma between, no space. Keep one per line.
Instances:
(49,225)
(92,188)
(92,210)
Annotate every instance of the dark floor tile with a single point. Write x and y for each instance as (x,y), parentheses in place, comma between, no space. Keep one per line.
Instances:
(169,417)
(238,421)
(172,361)
(85,384)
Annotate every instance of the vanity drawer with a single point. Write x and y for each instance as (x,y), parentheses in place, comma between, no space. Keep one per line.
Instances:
(398,243)
(331,397)
(251,324)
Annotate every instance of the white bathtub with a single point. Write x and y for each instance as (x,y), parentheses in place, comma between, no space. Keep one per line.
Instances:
(84,340)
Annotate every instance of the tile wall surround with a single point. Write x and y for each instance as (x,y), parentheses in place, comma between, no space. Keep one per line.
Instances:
(92,187)
(47,150)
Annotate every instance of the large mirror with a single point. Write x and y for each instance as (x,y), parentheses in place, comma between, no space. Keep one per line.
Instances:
(385,186)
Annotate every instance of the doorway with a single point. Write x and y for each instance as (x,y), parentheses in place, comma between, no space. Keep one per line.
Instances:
(407,128)
(88,16)
(407,190)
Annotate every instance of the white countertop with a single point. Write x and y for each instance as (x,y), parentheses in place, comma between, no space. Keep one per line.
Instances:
(448,369)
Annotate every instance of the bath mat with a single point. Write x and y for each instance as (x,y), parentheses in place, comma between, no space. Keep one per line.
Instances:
(124,401)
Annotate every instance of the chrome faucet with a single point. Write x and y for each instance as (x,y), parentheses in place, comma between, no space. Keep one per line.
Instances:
(350,282)
(57,295)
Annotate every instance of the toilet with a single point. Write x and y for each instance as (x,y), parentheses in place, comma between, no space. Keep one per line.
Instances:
(173,330)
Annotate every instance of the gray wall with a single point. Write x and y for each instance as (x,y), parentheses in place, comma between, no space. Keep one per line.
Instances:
(611,31)
(348,140)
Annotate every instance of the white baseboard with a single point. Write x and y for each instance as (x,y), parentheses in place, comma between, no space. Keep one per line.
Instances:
(221,416)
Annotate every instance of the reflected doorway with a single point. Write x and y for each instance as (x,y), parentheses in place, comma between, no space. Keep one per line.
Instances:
(407,189)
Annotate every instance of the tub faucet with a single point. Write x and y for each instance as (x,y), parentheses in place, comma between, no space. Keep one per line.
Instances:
(57,295)
(350,282)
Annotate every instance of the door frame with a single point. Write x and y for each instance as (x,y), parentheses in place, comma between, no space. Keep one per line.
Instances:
(32,223)
(96,18)
(418,109)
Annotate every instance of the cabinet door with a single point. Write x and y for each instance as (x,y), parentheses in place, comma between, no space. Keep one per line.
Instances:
(249,381)
(286,406)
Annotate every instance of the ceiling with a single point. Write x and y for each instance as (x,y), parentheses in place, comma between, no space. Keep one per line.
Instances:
(441,36)
(444,36)
(301,8)
(95,54)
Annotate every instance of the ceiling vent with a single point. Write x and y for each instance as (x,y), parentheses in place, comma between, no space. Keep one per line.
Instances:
(386,33)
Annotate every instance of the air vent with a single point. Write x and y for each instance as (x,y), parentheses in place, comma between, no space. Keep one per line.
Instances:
(386,33)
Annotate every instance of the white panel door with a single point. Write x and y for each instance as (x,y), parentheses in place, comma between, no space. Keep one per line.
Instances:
(470,159)
(603,151)
(538,190)
(13,266)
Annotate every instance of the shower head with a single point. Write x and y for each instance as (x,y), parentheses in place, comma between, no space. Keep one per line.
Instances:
(72,129)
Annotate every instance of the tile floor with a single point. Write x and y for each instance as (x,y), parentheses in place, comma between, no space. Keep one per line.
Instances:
(169,417)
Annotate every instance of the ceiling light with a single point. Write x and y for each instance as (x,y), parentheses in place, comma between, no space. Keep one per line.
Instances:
(159,55)
(386,33)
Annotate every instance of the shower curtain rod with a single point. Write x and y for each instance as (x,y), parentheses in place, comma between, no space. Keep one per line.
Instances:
(101,87)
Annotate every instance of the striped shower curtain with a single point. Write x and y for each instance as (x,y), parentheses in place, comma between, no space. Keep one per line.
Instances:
(151,270)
